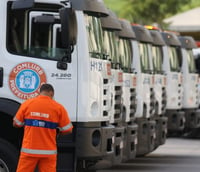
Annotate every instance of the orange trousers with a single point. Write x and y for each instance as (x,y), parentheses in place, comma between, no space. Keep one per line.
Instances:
(28,163)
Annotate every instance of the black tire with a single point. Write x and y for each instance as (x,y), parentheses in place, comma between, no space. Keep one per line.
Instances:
(8,156)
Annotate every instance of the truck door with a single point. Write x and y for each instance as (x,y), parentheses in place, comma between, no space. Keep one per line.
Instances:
(36,56)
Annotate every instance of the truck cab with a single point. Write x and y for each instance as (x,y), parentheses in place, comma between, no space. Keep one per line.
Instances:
(190,84)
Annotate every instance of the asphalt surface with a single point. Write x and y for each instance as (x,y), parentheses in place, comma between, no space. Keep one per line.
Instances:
(176,155)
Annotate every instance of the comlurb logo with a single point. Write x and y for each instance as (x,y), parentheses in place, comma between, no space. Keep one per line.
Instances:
(25,80)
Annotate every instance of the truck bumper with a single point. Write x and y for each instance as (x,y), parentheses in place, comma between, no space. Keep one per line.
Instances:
(146,136)
(161,130)
(118,146)
(85,147)
(192,118)
(130,142)
(176,120)
(94,142)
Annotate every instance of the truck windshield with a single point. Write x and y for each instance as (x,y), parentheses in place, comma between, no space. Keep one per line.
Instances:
(28,36)
(110,45)
(95,37)
(125,52)
(173,58)
(144,57)
(191,61)
(157,58)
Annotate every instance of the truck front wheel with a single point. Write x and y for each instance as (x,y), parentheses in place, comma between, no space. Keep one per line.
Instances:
(8,157)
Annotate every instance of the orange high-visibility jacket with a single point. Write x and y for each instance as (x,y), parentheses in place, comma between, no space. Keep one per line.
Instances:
(41,116)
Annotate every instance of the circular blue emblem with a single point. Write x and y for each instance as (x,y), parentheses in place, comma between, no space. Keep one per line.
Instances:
(27,81)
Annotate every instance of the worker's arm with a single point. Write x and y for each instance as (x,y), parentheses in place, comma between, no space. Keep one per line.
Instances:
(17,123)
(18,120)
(65,125)
(66,129)
(65,132)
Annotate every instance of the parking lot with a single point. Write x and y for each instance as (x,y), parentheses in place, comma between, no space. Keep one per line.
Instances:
(177,155)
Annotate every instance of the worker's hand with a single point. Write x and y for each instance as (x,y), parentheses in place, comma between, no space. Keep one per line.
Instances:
(15,125)
(65,132)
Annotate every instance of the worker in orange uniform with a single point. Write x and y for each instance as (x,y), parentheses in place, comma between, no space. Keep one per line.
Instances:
(41,117)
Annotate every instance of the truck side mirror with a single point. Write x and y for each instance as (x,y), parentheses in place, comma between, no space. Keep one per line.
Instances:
(22,4)
(68,35)
(68,27)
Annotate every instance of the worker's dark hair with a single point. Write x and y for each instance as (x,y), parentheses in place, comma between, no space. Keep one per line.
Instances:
(46,87)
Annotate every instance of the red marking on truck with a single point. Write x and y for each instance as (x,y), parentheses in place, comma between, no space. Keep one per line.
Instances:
(120,77)
(134,81)
(25,80)
(109,69)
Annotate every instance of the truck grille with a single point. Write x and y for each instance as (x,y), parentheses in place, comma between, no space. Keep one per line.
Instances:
(105,97)
(118,103)
(152,101)
(133,103)
(164,99)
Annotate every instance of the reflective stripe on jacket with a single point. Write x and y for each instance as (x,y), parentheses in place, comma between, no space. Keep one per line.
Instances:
(40,152)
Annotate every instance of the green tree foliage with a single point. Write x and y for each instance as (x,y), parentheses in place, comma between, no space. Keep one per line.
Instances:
(149,11)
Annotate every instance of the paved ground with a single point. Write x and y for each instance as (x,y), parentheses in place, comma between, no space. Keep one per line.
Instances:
(176,155)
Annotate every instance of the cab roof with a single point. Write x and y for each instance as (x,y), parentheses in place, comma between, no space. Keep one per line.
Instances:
(171,39)
(91,7)
(111,22)
(142,34)
(187,42)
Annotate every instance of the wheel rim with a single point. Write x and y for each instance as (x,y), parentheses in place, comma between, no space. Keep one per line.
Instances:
(3,166)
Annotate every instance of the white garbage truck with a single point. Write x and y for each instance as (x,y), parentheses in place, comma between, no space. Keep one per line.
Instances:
(190,102)
(129,102)
(58,42)
(110,25)
(142,65)
(159,87)
(174,81)
(116,39)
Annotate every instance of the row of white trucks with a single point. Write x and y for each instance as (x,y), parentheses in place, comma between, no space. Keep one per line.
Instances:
(124,86)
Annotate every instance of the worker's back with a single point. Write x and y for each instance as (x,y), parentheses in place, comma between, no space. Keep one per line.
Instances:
(42,116)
